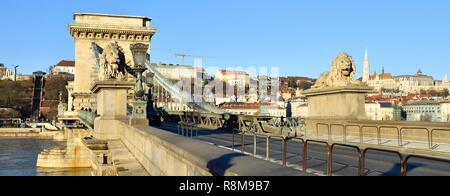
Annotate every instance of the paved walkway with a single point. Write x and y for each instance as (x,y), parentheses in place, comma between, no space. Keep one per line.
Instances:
(124,161)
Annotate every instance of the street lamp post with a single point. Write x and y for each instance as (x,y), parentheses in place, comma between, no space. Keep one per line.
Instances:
(15,73)
(139,115)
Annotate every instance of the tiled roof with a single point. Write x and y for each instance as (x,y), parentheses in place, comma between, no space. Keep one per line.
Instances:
(233,72)
(383,76)
(66,63)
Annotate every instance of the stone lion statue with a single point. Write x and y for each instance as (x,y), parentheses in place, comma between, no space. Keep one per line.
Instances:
(342,73)
(112,65)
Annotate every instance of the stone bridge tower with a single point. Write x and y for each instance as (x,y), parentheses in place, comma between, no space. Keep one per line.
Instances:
(102,29)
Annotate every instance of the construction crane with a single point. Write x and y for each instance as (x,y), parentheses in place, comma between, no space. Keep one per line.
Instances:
(183,57)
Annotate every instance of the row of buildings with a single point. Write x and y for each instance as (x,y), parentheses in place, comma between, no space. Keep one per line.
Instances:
(237,86)
(12,75)
(288,99)
(63,67)
(291,102)
(411,84)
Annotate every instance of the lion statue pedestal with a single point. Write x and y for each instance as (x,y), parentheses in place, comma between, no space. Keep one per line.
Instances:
(111,106)
(338,103)
(336,94)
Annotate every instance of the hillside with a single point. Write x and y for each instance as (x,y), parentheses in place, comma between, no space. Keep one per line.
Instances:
(17,95)
(52,86)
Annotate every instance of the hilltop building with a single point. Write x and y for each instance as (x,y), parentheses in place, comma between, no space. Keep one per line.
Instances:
(64,67)
(404,83)
(382,81)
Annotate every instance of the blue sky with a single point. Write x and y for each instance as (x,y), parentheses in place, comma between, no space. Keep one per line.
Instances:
(299,36)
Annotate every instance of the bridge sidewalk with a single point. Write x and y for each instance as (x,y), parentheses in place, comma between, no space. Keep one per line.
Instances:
(124,161)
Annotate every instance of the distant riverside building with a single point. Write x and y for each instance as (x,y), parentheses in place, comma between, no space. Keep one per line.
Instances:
(179,72)
(423,111)
(380,111)
(236,84)
(264,85)
(405,83)
(240,79)
(3,70)
(64,67)
(5,73)
(9,74)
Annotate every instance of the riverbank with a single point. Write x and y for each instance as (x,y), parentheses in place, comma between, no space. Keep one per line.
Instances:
(28,133)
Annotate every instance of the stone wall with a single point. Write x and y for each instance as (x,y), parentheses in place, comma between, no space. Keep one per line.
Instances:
(167,154)
(73,155)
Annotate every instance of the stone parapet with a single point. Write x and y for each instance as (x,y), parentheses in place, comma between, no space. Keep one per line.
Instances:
(163,153)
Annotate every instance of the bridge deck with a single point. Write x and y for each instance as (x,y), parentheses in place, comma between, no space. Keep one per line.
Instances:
(345,160)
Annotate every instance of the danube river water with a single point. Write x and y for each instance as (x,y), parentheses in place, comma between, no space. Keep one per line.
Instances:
(18,158)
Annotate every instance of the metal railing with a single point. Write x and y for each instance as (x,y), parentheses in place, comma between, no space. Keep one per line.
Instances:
(184,128)
(188,129)
(416,128)
(432,144)
(360,157)
(364,154)
(330,147)
(400,133)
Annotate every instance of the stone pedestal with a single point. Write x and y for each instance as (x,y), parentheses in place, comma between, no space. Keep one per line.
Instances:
(346,102)
(111,106)
(139,115)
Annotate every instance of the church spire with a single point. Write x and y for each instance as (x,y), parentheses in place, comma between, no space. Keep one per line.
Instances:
(366,72)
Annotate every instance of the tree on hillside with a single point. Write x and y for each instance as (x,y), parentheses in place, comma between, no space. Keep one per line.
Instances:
(445,93)
(9,113)
(305,85)
(433,93)
(292,84)
(17,95)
